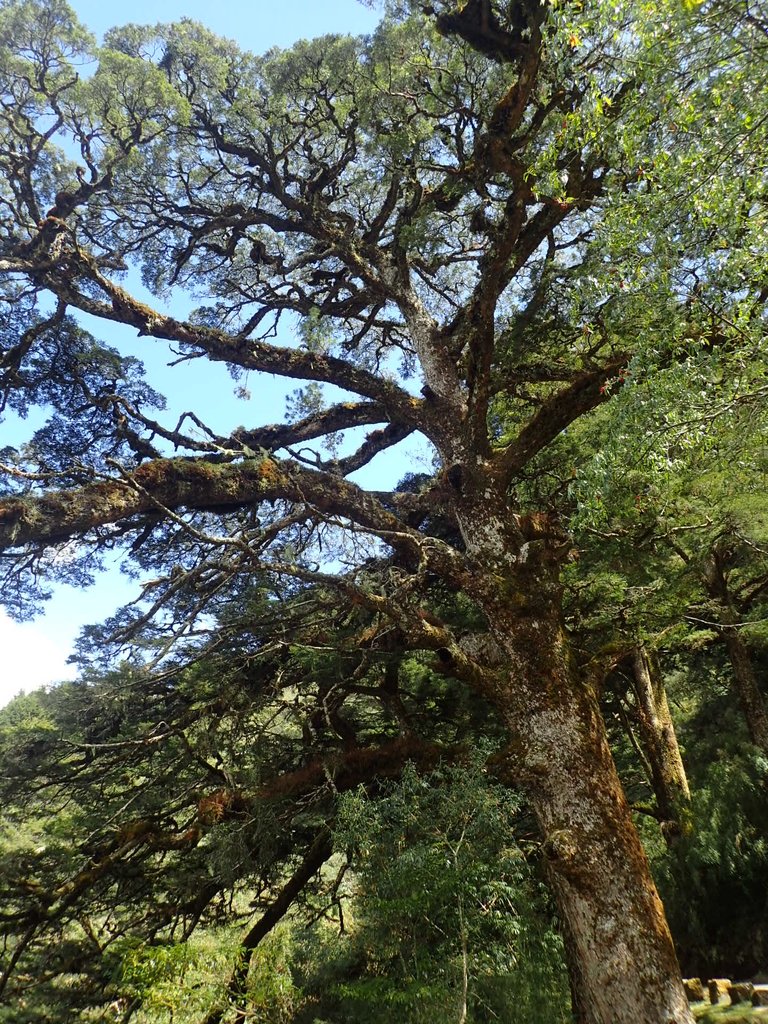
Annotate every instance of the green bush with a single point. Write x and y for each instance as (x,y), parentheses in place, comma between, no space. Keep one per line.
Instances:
(447,907)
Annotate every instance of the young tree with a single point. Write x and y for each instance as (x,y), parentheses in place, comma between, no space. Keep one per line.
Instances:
(485,199)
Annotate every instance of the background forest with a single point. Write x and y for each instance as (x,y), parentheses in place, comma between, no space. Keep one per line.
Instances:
(287,785)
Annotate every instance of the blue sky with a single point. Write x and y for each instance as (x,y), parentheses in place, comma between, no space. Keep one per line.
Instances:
(256,26)
(35,653)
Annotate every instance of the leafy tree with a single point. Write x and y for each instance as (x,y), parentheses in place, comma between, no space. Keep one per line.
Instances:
(507,205)
(672,546)
(451,922)
(712,881)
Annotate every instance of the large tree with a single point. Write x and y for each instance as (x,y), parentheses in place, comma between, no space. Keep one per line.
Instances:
(478,222)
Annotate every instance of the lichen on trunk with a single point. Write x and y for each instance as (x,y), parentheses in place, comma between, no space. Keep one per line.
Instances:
(595,862)
(620,943)
(659,744)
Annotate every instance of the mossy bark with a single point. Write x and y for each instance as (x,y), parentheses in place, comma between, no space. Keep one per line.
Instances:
(621,952)
(750,695)
(659,739)
(627,967)
(745,682)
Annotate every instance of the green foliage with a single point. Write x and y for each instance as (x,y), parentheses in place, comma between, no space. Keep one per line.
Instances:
(713,879)
(728,1014)
(440,887)
(589,258)
(186,981)
(144,968)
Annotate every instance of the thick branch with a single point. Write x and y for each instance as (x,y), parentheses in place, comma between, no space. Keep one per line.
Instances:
(586,392)
(476,23)
(217,344)
(343,416)
(202,484)
(375,442)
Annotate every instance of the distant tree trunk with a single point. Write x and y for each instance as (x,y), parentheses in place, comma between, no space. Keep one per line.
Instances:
(236,1000)
(620,946)
(659,741)
(745,681)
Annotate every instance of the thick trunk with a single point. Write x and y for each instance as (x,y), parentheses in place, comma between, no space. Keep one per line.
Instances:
(745,681)
(620,942)
(659,740)
(621,956)
(580,1008)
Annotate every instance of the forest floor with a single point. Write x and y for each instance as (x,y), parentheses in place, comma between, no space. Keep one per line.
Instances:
(743,1013)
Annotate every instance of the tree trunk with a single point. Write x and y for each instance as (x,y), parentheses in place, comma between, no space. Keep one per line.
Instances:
(627,965)
(621,950)
(745,681)
(580,1008)
(657,733)
(750,696)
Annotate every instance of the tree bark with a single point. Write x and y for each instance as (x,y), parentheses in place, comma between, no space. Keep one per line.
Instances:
(627,965)
(745,681)
(627,969)
(747,688)
(580,1008)
(657,733)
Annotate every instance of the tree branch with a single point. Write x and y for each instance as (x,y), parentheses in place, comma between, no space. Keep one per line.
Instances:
(318,853)
(217,345)
(206,484)
(586,392)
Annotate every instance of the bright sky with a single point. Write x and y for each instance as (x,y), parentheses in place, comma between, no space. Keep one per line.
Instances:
(34,654)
